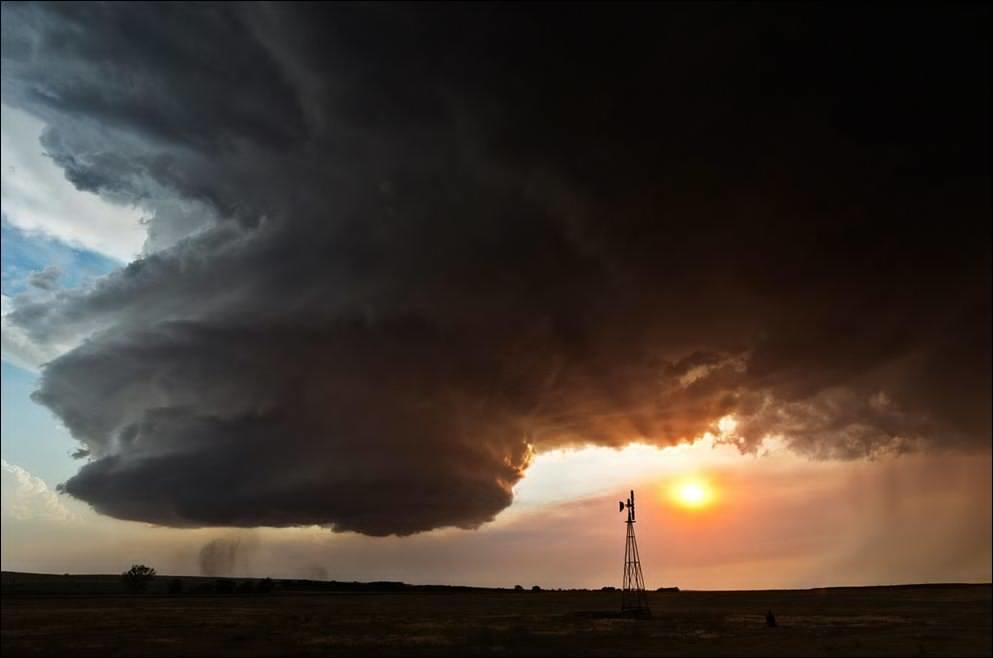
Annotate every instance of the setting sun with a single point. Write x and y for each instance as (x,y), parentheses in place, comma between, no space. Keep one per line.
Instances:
(692,493)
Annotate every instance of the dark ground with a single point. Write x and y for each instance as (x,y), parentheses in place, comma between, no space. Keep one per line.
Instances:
(891,621)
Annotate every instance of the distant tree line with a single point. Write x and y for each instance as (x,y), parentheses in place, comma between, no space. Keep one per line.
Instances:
(223,586)
(139,577)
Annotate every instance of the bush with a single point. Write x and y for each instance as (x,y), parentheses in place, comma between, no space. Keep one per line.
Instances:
(535,589)
(518,588)
(137,578)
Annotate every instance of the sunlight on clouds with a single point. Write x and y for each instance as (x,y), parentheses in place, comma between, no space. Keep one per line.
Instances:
(562,475)
(36,196)
(27,497)
(567,474)
(727,425)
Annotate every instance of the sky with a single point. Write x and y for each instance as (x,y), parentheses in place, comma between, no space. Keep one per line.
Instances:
(368,292)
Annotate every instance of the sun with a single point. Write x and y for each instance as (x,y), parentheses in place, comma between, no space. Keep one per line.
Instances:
(692,493)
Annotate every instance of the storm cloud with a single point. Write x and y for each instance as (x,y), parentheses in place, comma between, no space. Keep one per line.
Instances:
(393,252)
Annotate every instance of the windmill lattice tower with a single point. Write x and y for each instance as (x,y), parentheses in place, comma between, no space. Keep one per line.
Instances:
(633,600)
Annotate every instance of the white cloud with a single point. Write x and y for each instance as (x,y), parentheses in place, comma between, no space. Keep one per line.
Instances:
(24,496)
(36,196)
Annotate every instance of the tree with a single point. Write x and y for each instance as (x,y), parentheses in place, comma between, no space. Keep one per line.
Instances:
(136,578)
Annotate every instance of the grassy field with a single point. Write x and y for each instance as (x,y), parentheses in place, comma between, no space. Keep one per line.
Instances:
(887,621)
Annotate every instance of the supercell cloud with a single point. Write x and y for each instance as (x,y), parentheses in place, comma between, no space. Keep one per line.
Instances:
(393,252)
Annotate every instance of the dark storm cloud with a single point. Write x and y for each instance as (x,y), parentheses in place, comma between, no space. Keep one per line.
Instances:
(393,252)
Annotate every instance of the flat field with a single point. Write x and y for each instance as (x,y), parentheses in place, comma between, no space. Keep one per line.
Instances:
(886,621)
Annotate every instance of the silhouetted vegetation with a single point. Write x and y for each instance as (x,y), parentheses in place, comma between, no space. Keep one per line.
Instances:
(175,587)
(265,586)
(535,589)
(137,578)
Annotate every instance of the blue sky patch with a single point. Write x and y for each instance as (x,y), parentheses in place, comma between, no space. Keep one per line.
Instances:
(23,253)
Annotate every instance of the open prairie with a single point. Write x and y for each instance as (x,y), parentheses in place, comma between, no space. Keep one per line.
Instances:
(887,621)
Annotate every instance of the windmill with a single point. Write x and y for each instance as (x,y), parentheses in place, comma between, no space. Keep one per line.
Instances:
(633,600)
